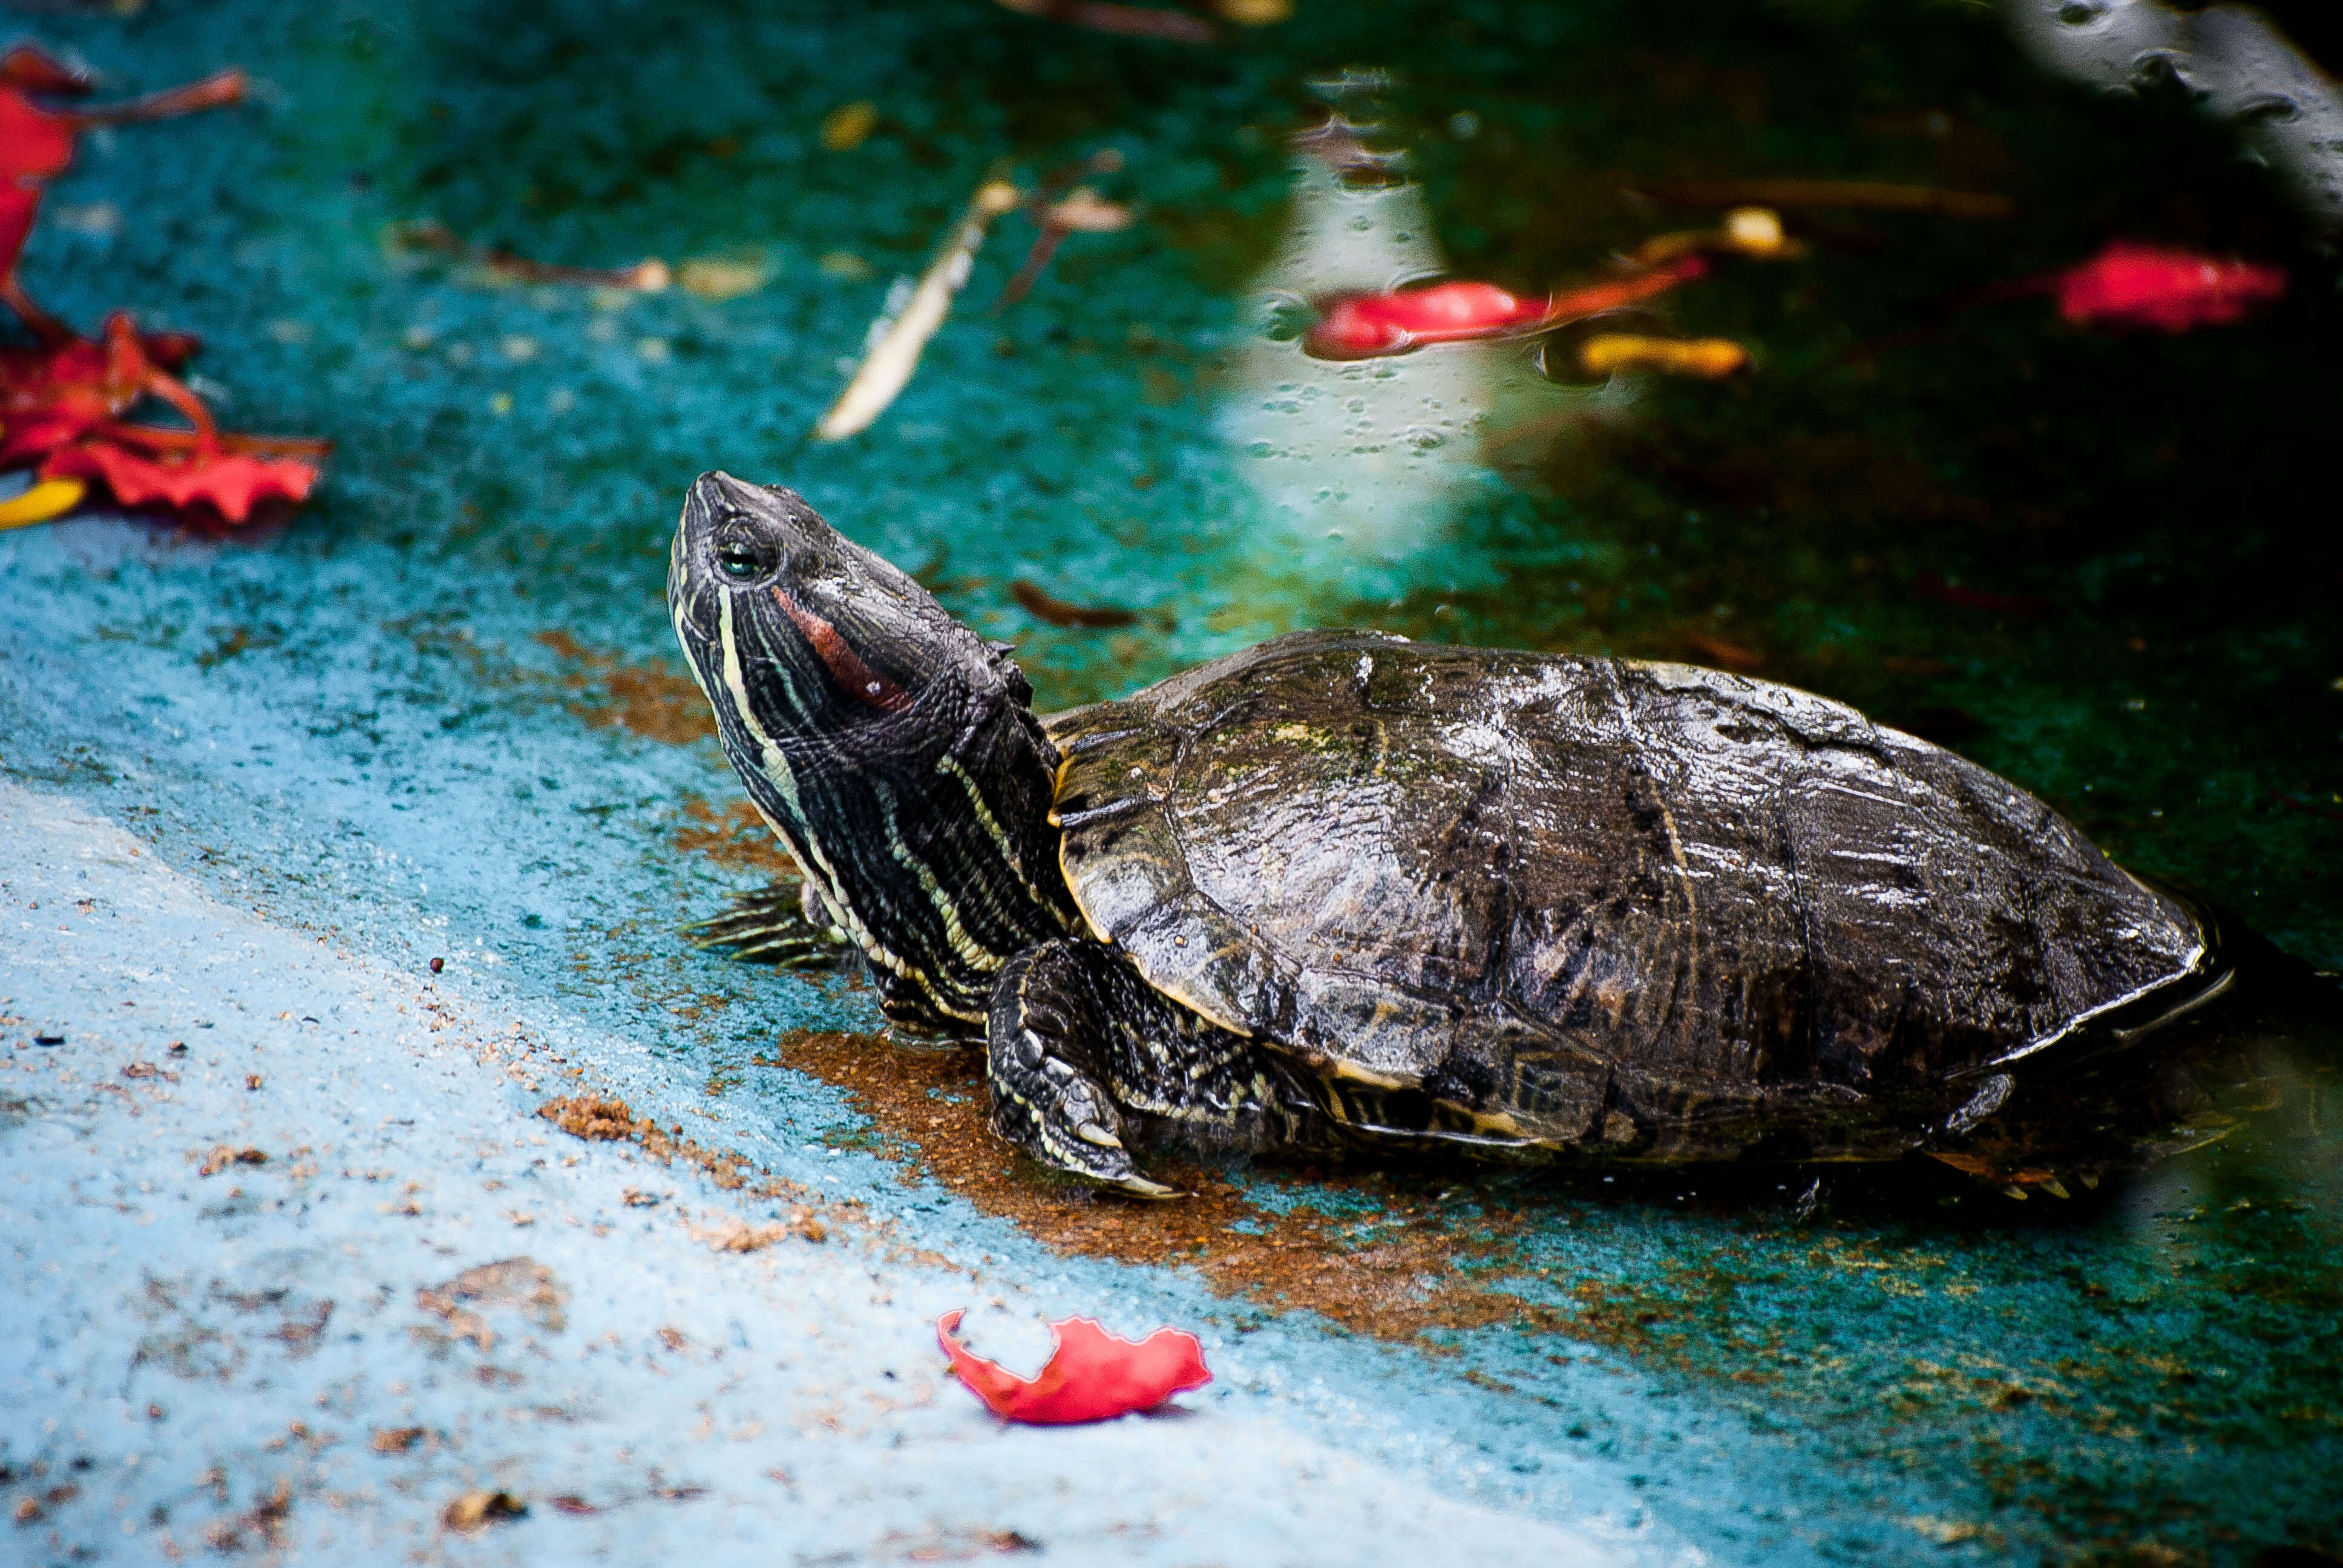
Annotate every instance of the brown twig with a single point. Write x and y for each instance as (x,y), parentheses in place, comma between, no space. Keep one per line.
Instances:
(1876,196)
(1045,246)
(1046,606)
(1130,21)
(647,277)
(1041,207)
(216,91)
(44,326)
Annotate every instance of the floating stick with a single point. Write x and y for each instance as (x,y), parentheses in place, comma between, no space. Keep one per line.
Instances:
(898,336)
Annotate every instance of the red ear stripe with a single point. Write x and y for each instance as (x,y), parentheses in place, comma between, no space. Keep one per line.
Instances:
(845,665)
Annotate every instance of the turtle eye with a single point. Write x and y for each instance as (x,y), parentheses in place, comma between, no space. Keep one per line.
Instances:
(743,558)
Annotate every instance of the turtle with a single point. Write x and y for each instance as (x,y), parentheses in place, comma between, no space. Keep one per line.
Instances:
(1345,891)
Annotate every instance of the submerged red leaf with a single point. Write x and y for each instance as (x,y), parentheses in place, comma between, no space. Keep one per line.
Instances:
(1092,1376)
(2163,288)
(1928,585)
(1134,21)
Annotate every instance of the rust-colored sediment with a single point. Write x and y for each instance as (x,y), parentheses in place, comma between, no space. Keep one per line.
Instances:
(736,838)
(600,1118)
(649,700)
(1393,1274)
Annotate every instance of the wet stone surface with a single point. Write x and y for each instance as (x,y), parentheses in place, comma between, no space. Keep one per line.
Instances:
(428,746)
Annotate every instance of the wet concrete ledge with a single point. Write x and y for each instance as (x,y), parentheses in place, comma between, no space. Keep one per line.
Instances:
(299,1269)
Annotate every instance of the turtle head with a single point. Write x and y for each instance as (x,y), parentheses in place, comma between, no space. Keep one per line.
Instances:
(803,628)
(893,749)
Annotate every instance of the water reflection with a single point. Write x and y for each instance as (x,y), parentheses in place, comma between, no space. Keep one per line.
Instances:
(1368,457)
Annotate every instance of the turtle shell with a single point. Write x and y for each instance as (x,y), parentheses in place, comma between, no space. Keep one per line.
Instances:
(1582,898)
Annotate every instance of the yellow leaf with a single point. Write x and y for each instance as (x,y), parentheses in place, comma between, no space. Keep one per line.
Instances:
(1707,357)
(49,499)
(846,127)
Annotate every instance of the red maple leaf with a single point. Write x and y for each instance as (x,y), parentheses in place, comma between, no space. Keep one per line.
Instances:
(35,70)
(18,208)
(35,143)
(230,483)
(1370,325)
(61,403)
(2163,288)
(62,399)
(1092,1374)
(58,389)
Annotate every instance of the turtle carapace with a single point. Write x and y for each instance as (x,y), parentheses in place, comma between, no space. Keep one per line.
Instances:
(1344,888)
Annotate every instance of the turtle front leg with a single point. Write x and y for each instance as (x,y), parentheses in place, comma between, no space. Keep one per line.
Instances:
(1082,1049)
(1049,1090)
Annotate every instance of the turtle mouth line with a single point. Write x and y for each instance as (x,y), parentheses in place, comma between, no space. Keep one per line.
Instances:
(845,666)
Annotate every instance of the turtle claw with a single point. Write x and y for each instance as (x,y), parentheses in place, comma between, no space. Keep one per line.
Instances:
(2013,1179)
(1040,1125)
(768,926)
(1139,1186)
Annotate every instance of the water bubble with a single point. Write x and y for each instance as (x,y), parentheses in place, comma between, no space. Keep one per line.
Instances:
(2158,68)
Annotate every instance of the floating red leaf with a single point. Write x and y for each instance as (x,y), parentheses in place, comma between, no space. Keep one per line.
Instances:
(1092,1376)
(1365,325)
(56,391)
(2163,288)
(1369,325)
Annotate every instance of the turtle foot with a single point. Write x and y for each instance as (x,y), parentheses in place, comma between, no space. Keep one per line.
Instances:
(1049,1097)
(768,926)
(1045,1107)
(2018,1180)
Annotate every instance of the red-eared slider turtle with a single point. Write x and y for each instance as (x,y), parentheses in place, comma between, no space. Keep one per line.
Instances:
(1345,887)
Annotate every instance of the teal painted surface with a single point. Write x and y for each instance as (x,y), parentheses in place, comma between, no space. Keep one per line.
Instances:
(351,723)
